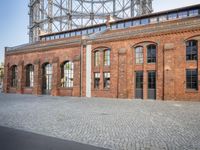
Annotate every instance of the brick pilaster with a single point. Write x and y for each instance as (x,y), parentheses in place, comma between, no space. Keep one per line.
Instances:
(159,73)
(6,80)
(20,75)
(55,77)
(198,65)
(122,86)
(76,86)
(37,90)
(145,81)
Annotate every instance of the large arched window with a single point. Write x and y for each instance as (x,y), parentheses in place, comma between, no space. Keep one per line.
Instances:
(107,57)
(14,76)
(191,50)
(151,53)
(139,55)
(29,75)
(67,74)
(96,58)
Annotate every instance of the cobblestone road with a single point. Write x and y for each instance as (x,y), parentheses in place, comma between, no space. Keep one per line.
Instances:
(113,124)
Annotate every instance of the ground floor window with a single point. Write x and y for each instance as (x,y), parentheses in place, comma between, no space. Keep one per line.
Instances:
(151,79)
(14,76)
(67,74)
(191,79)
(29,75)
(106,79)
(96,80)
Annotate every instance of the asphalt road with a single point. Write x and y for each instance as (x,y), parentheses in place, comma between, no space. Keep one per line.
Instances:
(12,139)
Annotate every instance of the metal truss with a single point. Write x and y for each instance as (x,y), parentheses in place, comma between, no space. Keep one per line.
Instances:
(48,16)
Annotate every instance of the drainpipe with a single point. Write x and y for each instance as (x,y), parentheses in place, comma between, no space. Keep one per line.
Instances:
(81,55)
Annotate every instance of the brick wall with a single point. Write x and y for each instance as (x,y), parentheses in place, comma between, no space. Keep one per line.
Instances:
(170,65)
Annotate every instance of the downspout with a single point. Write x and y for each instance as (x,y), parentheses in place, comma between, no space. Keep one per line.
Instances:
(81,55)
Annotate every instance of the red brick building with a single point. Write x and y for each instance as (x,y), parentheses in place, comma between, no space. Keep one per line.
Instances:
(153,56)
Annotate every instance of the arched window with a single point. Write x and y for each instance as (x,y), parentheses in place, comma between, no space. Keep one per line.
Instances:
(14,76)
(107,57)
(67,74)
(96,58)
(191,50)
(29,75)
(151,53)
(139,55)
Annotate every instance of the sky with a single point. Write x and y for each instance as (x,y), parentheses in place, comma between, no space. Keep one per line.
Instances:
(14,19)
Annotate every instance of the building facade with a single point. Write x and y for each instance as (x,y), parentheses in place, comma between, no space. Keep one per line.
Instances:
(153,56)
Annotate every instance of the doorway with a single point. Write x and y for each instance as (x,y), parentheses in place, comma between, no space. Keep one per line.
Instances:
(151,85)
(47,79)
(139,84)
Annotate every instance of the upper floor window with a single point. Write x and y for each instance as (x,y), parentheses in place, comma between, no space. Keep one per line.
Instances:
(144,21)
(97,58)
(162,18)
(29,75)
(172,16)
(67,74)
(106,80)
(191,50)
(107,57)
(14,76)
(139,55)
(193,12)
(151,53)
(183,14)
(191,79)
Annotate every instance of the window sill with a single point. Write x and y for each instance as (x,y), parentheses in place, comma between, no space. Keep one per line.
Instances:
(65,88)
(28,87)
(191,91)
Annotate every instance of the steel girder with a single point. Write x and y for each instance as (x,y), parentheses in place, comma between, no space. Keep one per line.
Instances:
(47,16)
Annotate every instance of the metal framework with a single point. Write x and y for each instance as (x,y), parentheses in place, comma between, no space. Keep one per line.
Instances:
(48,16)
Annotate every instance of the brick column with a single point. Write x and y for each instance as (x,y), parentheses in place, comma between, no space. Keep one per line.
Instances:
(76,86)
(20,77)
(122,86)
(55,79)
(6,79)
(159,73)
(169,71)
(198,65)
(145,81)
(37,90)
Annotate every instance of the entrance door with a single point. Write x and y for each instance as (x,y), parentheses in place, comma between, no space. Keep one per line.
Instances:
(139,85)
(47,79)
(151,85)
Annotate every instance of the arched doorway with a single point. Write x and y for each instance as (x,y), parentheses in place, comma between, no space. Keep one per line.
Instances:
(47,79)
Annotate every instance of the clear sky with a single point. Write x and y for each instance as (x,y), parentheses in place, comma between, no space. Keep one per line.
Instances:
(14,19)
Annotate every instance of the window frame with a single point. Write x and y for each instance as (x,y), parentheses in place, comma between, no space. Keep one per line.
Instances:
(139,59)
(190,47)
(106,75)
(151,57)
(67,74)
(14,76)
(97,78)
(191,82)
(30,76)
(97,58)
(106,58)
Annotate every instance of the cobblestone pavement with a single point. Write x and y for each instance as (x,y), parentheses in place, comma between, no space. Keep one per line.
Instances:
(113,124)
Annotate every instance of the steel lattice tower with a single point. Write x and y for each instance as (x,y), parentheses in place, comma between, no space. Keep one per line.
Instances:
(47,16)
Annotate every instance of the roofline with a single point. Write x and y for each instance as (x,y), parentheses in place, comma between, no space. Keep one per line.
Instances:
(126,19)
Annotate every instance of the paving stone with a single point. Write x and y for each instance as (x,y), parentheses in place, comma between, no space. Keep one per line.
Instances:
(121,124)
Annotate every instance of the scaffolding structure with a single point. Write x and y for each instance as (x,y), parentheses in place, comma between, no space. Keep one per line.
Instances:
(48,16)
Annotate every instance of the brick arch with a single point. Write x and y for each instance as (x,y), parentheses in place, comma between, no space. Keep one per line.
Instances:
(101,48)
(194,37)
(64,61)
(144,43)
